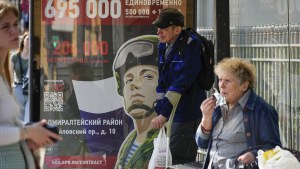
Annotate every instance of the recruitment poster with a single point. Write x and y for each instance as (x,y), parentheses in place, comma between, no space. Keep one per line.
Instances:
(98,73)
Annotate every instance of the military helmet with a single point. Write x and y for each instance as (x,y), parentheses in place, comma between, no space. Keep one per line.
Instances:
(141,50)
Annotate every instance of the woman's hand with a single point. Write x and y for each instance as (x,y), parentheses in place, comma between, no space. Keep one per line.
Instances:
(207,107)
(39,135)
(246,158)
(32,145)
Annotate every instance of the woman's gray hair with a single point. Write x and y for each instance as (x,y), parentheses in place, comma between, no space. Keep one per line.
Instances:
(238,67)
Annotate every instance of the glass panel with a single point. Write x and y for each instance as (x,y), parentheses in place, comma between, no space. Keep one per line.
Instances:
(267,33)
(80,89)
(204,19)
(204,14)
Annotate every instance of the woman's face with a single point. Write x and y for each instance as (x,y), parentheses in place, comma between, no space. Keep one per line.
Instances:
(26,42)
(9,31)
(231,88)
(140,83)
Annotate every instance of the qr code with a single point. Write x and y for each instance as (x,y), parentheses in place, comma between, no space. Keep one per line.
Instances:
(53,101)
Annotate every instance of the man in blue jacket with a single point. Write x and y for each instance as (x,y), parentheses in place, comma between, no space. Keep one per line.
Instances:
(177,86)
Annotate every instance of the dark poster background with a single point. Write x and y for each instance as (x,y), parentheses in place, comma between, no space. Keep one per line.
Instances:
(79,40)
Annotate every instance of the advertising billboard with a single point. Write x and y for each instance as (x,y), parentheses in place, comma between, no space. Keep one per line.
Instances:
(97,72)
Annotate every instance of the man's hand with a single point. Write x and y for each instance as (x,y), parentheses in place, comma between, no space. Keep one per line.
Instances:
(158,122)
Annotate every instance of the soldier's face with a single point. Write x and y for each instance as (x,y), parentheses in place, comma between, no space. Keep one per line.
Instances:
(139,90)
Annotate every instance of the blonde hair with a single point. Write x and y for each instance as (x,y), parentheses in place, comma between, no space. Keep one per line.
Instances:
(240,68)
(6,7)
(21,45)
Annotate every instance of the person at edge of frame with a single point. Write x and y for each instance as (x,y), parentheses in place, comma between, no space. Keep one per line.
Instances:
(18,70)
(17,140)
(136,73)
(177,85)
(233,132)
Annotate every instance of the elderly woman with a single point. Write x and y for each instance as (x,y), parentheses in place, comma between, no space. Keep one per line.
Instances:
(234,131)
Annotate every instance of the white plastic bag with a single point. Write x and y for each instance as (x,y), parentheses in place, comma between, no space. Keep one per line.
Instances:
(161,150)
(277,159)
